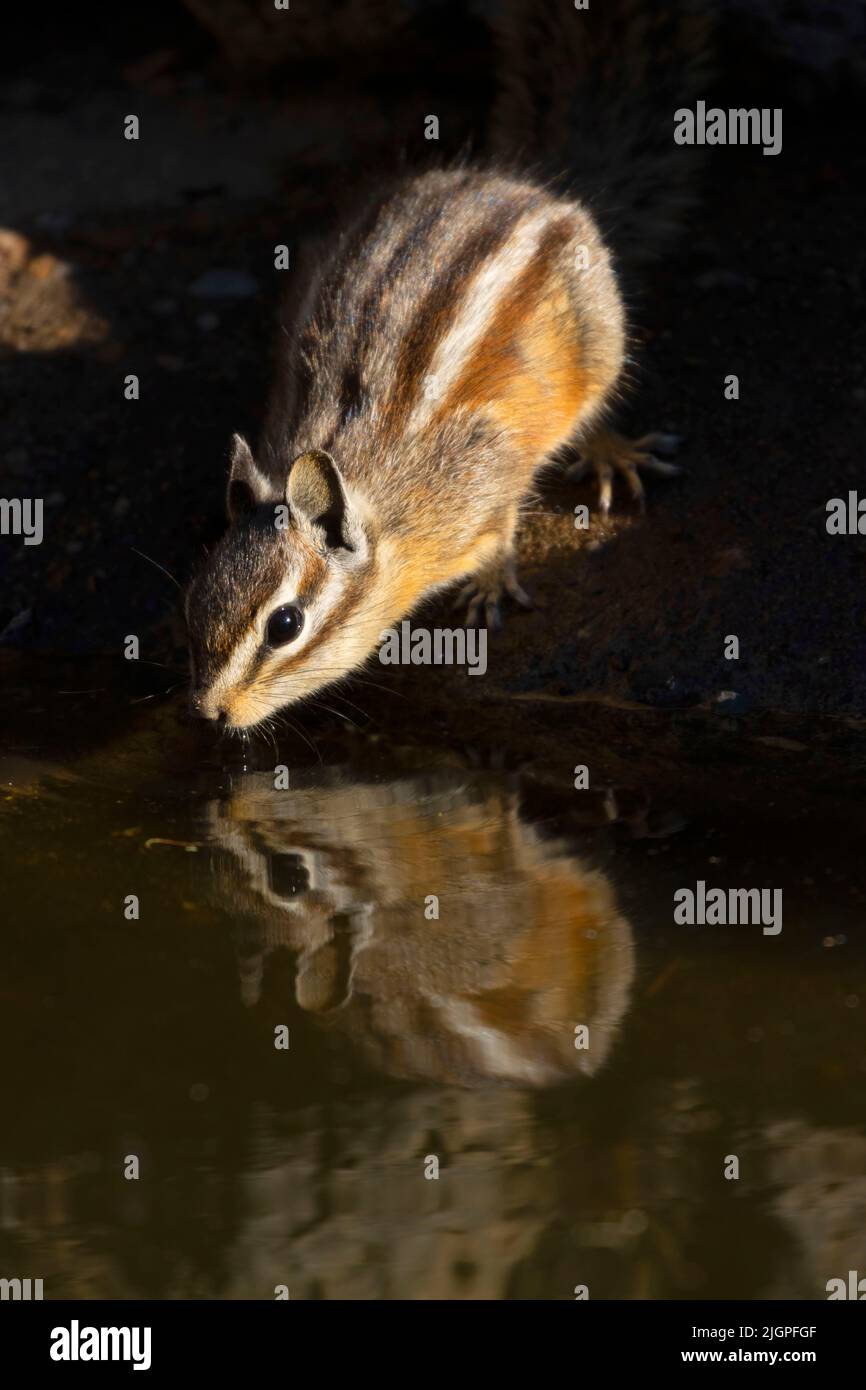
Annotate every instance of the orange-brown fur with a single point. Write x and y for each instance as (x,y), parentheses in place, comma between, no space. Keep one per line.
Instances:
(529,941)
(462,330)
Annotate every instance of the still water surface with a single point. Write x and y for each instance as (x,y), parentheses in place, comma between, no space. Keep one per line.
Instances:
(413,1037)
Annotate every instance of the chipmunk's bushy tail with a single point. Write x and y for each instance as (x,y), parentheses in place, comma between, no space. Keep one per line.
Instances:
(587,97)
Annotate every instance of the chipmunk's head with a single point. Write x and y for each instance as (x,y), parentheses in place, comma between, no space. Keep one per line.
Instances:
(282,604)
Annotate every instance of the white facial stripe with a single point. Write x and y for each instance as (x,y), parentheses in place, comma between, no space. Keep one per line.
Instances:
(228,676)
(230,680)
(349,644)
(323,602)
(476,313)
(232,673)
(249,699)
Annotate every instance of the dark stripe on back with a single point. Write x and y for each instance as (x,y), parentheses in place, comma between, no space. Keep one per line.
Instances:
(435,314)
(354,398)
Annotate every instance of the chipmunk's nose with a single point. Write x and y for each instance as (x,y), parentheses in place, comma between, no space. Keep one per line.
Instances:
(203,708)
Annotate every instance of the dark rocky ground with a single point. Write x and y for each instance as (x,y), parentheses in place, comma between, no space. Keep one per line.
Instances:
(102,260)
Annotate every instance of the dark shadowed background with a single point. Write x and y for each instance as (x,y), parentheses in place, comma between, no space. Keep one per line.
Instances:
(156,257)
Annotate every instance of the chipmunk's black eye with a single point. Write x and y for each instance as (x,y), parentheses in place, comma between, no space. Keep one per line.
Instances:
(284,625)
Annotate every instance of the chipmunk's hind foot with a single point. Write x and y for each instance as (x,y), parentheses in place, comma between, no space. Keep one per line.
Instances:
(607,453)
(485,591)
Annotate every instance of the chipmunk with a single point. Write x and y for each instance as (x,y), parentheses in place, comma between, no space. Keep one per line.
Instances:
(531,940)
(466,327)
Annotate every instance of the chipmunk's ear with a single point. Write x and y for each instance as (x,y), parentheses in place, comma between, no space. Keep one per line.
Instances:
(318,503)
(323,979)
(248,486)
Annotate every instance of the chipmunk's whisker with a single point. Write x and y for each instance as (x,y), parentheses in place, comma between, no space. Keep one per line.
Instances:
(158,566)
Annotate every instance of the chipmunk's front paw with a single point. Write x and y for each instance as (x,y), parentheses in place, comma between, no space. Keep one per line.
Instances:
(486,590)
(607,453)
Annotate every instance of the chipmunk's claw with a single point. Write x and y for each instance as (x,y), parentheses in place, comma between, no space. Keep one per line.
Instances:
(486,594)
(475,599)
(607,454)
(667,443)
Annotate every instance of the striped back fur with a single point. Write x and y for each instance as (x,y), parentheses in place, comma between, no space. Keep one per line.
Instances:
(457,334)
(415,333)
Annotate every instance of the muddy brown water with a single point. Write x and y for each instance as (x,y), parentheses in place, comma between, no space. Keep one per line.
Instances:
(473,971)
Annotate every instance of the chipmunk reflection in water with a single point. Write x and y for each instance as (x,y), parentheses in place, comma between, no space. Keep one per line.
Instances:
(528,945)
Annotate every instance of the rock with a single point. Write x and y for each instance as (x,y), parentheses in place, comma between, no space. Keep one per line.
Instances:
(732,702)
(14,253)
(45,267)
